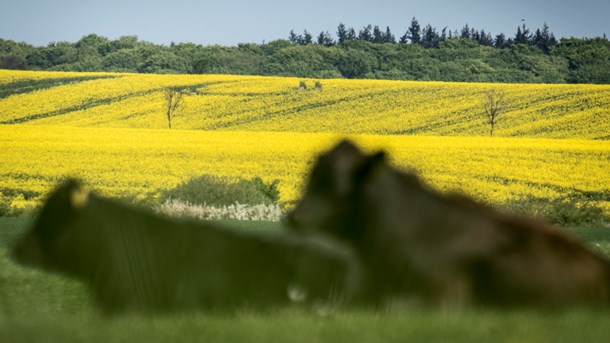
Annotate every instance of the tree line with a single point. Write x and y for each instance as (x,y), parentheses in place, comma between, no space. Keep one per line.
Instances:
(468,55)
(429,37)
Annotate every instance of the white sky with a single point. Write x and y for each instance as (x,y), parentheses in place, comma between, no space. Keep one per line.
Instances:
(221,22)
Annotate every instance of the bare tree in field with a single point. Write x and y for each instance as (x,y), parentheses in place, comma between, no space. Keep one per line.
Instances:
(173,100)
(494,105)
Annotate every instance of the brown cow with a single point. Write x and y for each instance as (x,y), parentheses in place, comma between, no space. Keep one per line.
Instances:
(419,245)
(134,260)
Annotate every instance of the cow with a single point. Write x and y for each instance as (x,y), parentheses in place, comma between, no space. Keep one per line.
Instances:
(419,246)
(133,260)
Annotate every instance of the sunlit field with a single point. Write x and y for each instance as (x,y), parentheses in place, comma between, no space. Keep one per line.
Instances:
(141,163)
(247,103)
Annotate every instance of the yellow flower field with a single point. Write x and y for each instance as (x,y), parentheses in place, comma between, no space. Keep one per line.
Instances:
(142,162)
(249,103)
(9,76)
(110,129)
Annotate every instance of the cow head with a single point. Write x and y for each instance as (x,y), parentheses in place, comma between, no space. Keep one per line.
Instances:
(331,201)
(49,242)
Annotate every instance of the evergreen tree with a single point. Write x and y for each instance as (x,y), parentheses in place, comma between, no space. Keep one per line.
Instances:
(544,39)
(474,35)
(430,37)
(443,36)
(465,33)
(546,32)
(404,39)
(537,39)
(325,39)
(518,35)
(485,39)
(294,38)
(414,32)
(500,41)
(378,36)
(553,41)
(366,33)
(341,33)
(351,34)
(523,35)
(307,38)
(389,37)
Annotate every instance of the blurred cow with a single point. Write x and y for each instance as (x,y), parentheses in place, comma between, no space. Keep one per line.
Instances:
(133,260)
(421,246)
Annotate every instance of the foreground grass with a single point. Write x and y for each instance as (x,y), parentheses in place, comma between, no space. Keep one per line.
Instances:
(36,307)
(295,326)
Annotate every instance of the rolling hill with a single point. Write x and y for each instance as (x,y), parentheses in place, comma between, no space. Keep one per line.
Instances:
(247,103)
(551,146)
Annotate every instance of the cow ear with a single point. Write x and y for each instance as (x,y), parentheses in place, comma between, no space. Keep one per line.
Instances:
(79,198)
(372,162)
(346,159)
(379,157)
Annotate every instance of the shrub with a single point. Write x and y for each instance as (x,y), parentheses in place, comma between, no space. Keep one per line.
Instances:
(218,191)
(270,190)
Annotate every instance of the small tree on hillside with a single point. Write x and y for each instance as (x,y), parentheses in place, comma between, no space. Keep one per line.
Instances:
(494,104)
(173,100)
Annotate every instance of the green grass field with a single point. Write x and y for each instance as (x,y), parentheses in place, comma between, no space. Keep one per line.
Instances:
(41,307)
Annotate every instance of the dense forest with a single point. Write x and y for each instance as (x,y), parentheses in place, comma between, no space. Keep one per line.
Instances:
(371,52)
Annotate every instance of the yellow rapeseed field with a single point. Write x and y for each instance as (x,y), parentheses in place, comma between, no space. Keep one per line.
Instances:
(142,162)
(110,129)
(247,103)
